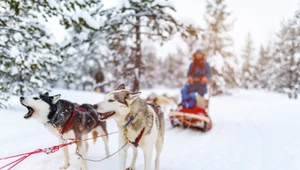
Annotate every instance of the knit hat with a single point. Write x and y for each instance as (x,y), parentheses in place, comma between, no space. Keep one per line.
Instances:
(201,52)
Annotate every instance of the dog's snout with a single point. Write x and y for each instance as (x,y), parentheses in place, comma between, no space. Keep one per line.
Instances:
(95,106)
(22,98)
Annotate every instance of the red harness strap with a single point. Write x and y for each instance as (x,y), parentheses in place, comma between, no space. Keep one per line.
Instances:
(137,140)
(68,123)
(24,156)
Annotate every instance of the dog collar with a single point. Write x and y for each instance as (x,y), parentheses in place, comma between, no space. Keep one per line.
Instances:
(129,121)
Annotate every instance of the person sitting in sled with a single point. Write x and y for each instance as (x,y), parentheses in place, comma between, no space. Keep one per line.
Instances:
(198,74)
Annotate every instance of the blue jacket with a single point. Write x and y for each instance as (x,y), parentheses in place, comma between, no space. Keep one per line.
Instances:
(197,86)
(200,73)
(188,97)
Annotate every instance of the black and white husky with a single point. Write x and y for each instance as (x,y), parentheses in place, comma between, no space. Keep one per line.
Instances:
(66,120)
(140,125)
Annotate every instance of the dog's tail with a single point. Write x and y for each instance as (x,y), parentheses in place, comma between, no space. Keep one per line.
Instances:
(95,136)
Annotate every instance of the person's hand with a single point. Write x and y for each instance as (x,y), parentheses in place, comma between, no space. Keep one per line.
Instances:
(190,80)
(204,80)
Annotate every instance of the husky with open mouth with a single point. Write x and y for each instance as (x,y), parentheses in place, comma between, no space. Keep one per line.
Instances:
(140,125)
(66,120)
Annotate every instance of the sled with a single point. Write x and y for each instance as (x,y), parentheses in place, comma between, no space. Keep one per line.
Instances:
(195,118)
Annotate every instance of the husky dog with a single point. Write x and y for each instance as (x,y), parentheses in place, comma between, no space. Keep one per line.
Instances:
(66,120)
(161,99)
(140,124)
(165,102)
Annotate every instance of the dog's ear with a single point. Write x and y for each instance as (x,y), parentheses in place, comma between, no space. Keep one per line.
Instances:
(131,97)
(55,98)
(121,87)
(46,94)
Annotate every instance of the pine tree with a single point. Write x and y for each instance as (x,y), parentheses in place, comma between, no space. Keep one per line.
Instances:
(85,50)
(135,23)
(193,41)
(264,68)
(249,79)
(150,74)
(173,74)
(27,52)
(287,50)
(217,44)
(30,61)
(297,50)
(176,69)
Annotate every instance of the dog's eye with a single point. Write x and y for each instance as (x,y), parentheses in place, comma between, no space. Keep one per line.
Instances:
(110,100)
(36,98)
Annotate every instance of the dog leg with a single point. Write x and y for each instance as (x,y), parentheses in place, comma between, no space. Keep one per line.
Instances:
(122,154)
(135,152)
(102,130)
(148,156)
(66,156)
(105,140)
(82,150)
(86,146)
(158,145)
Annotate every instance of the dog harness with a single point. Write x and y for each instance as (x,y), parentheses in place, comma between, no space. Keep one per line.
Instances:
(69,121)
(138,138)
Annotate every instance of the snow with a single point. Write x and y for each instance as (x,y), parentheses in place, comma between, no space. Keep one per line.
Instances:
(217,62)
(252,130)
(89,19)
(122,3)
(14,52)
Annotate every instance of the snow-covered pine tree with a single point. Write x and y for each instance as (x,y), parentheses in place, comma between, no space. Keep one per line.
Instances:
(297,27)
(84,50)
(176,67)
(132,24)
(287,53)
(27,52)
(217,43)
(249,79)
(267,67)
(193,42)
(264,68)
(150,73)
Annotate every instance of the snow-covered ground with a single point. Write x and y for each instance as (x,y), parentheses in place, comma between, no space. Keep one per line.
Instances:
(253,130)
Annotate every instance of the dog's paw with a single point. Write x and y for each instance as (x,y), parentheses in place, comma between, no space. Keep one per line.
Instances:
(64,167)
(129,168)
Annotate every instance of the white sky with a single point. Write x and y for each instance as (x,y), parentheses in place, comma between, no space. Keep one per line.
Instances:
(259,17)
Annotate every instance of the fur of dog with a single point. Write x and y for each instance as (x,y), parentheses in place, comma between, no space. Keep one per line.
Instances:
(61,115)
(147,123)
(166,102)
(161,99)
